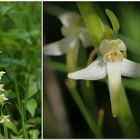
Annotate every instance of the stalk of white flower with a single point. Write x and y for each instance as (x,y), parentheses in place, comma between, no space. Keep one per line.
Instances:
(113,64)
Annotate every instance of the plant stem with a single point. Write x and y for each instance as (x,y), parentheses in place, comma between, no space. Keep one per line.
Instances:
(126,118)
(21,109)
(23,119)
(5,131)
(89,119)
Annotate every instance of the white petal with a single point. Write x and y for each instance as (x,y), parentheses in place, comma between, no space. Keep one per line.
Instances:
(129,68)
(85,38)
(61,47)
(70,18)
(96,70)
(114,77)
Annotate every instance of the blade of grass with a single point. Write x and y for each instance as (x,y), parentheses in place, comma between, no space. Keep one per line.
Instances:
(21,108)
(89,98)
(126,118)
(89,119)
(57,66)
(88,93)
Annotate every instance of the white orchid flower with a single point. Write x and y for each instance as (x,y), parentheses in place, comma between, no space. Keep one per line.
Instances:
(4,118)
(3,98)
(112,63)
(1,74)
(1,87)
(73,32)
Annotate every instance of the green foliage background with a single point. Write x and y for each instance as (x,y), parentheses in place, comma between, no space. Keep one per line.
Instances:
(20,44)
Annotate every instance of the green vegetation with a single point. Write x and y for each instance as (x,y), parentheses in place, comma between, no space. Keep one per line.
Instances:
(20,44)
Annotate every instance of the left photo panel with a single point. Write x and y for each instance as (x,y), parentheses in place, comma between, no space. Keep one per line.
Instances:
(20,70)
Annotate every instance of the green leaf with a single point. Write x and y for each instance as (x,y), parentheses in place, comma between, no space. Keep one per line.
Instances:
(114,21)
(12,127)
(132,84)
(9,94)
(85,112)
(31,106)
(32,89)
(126,118)
(34,133)
(94,23)
(35,120)
(12,61)
(4,9)
(17,34)
(56,66)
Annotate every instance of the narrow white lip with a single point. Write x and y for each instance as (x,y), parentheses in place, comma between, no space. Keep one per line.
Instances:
(114,79)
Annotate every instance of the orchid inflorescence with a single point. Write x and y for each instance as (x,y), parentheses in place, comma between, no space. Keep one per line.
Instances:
(3,99)
(111,62)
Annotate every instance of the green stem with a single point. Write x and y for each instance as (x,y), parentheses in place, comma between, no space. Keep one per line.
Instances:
(126,118)
(5,131)
(89,12)
(23,119)
(89,119)
(21,109)
(17,95)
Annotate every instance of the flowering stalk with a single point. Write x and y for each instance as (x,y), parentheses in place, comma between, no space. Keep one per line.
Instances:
(3,118)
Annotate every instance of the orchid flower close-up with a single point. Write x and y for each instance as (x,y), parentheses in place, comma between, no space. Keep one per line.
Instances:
(73,31)
(112,63)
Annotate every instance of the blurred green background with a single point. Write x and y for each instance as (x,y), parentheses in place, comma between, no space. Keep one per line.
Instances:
(20,44)
(62,116)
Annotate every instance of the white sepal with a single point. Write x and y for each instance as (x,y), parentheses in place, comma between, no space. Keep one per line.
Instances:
(61,47)
(129,68)
(95,71)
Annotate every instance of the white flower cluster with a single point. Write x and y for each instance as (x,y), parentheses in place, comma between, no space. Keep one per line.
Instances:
(2,96)
(3,118)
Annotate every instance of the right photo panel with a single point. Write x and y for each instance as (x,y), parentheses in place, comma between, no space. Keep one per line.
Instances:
(91,70)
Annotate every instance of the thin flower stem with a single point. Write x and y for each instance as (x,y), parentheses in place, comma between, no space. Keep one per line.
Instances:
(23,119)
(5,131)
(71,59)
(89,119)
(17,94)
(21,109)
